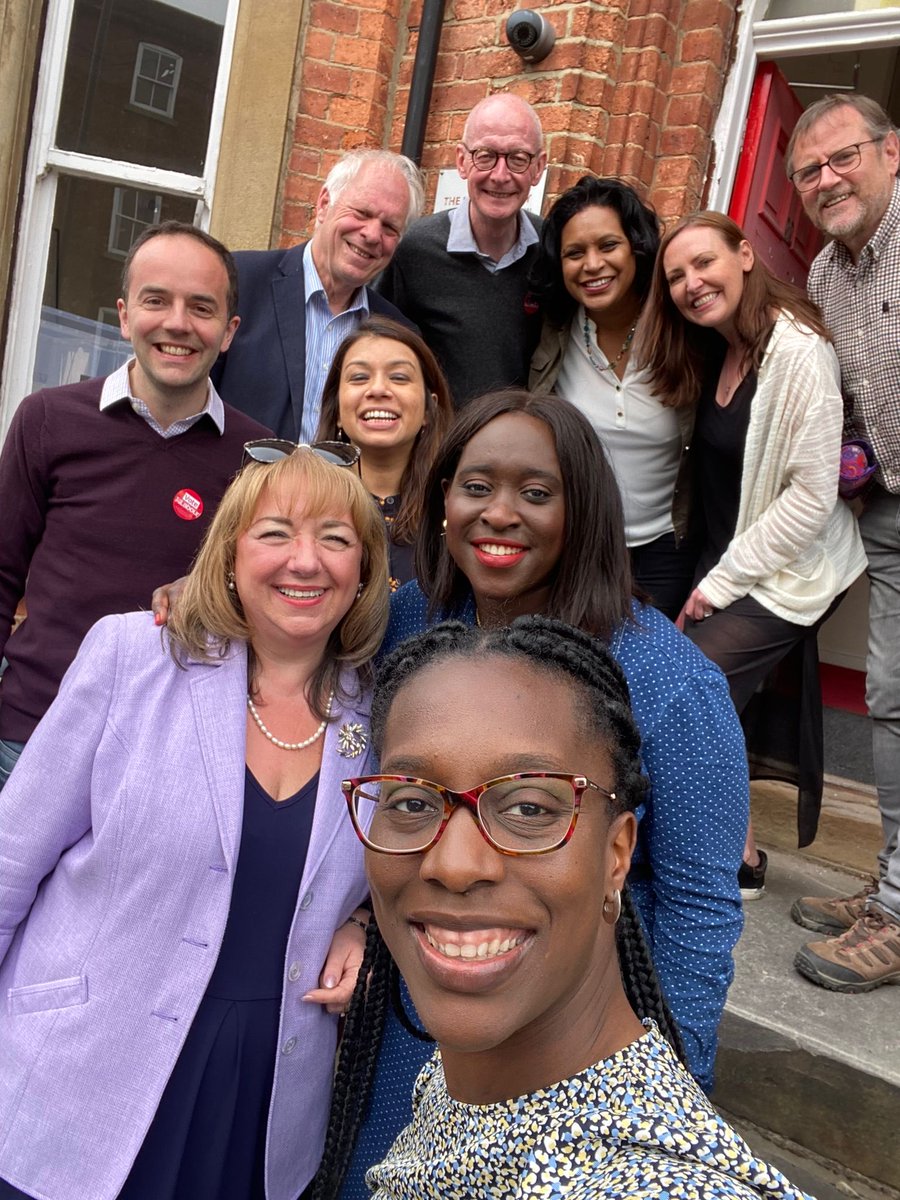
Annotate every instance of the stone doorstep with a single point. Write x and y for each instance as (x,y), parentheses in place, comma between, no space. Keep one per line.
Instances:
(818,1069)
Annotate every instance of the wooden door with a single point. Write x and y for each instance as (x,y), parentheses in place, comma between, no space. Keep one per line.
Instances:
(764,202)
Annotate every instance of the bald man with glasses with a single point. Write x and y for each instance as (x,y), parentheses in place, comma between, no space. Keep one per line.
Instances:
(461,275)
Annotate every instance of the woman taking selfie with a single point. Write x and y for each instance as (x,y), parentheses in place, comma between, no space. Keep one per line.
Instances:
(522,516)
(598,246)
(498,839)
(386,394)
(174,866)
(779,546)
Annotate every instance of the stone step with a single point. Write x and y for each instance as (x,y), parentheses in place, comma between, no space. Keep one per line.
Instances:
(816,1069)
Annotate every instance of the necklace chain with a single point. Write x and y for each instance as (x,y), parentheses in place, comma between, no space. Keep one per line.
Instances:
(588,345)
(289,745)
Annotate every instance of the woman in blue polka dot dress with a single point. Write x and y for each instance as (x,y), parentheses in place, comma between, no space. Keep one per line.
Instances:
(522,516)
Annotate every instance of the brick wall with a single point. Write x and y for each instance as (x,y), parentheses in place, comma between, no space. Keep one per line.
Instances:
(631,89)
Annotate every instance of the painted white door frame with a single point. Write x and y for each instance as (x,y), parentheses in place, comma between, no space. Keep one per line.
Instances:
(43,168)
(760,40)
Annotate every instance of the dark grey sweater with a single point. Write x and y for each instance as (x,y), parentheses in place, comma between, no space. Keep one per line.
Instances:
(474,321)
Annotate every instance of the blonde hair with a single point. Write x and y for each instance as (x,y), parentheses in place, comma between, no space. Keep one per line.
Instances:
(209,617)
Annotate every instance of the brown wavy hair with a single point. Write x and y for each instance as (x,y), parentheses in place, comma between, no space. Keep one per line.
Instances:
(675,351)
(438,416)
(209,617)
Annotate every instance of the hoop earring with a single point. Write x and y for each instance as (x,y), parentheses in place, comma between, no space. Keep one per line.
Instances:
(612,908)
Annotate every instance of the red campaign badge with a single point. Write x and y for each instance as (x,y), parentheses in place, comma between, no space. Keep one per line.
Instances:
(187,505)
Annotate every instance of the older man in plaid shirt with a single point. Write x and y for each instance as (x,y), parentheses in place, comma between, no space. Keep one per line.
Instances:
(843,159)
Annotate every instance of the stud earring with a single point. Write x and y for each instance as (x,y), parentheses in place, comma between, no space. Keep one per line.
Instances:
(360,590)
(229,581)
(444,527)
(612,908)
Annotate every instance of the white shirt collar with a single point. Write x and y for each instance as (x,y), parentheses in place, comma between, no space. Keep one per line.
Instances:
(461,239)
(117,387)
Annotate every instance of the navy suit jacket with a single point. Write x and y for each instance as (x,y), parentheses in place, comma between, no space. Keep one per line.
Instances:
(264,372)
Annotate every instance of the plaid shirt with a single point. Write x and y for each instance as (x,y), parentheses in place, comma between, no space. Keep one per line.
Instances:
(861,305)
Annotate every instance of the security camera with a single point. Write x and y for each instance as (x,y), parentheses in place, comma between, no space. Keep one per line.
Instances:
(530,35)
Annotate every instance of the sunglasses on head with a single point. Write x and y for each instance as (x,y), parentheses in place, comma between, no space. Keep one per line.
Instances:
(270,450)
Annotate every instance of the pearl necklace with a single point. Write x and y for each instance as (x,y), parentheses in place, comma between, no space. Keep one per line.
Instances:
(289,745)
(588,345)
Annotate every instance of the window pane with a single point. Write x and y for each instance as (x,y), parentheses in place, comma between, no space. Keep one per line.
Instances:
(94,224)
(139,80)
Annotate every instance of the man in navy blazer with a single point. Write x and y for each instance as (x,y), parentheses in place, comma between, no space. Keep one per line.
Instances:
(297,305)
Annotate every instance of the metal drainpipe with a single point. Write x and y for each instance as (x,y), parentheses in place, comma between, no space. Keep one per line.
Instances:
(422,79)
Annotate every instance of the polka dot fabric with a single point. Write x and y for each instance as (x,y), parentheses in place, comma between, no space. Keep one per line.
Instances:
(684,877)
(691,836)
(635,1124)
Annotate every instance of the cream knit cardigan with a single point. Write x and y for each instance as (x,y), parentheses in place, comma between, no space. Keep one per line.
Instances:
(796,544)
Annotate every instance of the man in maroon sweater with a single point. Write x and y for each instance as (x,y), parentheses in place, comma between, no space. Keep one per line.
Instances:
(107,486)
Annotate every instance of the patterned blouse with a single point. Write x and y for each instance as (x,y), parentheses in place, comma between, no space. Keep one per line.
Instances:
(634,1125)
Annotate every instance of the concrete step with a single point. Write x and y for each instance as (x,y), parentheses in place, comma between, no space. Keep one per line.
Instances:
(815,1070)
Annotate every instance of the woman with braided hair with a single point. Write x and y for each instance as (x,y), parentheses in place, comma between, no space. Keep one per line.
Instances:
(522,516)
(498,841)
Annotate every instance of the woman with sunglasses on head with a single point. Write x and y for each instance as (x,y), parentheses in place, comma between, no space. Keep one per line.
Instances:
(522,516)
(498,842)
(780,547)
(598,247)
(386,394)
(174,864)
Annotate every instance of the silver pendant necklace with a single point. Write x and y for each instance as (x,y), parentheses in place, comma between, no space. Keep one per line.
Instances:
(289,745)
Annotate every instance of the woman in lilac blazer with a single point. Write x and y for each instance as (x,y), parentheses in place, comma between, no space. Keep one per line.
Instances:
(146,836)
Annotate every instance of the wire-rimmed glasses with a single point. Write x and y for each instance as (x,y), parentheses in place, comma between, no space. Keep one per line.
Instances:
(483,159)
(842,162)
(531,812)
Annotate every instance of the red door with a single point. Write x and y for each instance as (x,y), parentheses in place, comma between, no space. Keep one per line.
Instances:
(764,202)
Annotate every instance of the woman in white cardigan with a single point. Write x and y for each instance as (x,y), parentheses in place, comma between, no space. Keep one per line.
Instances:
(780,548)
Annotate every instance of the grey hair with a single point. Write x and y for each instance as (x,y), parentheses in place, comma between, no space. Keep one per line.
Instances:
(878,123)
(345,171)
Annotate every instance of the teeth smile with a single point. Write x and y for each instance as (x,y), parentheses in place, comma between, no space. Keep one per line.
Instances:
(180,351)
(702,301)
(500,551)
(379,414)
(590,284)
(358,251)
(491,947)
(298,594)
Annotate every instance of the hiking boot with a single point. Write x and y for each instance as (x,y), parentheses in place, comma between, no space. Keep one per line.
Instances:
(832,914)
(863,957)
(752,880)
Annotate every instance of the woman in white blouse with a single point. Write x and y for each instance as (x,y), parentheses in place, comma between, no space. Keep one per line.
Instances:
(598,246)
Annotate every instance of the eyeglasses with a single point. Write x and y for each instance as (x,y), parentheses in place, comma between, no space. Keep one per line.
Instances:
(532,812)
(270,450)
(841,162)
(483,159)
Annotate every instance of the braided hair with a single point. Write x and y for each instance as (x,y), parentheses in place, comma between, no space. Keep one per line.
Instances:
(584,662)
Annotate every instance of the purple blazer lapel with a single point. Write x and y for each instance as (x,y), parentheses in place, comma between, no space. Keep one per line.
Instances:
(218,695)
(331,808)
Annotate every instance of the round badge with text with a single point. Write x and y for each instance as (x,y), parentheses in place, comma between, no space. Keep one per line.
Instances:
(187,505)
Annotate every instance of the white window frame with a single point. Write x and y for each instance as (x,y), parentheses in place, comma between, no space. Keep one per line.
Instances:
(47,162)
(118,215)
(139,76)
(760,41)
